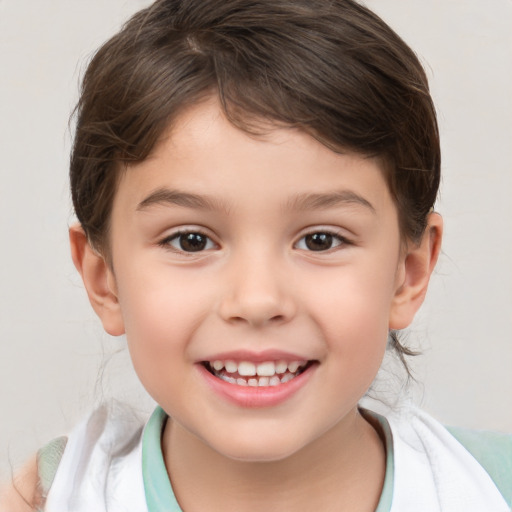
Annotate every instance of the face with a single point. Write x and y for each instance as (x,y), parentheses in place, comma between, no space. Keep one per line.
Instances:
(255,278)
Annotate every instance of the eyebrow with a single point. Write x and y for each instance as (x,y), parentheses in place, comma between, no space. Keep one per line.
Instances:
(328,200)
(165,196)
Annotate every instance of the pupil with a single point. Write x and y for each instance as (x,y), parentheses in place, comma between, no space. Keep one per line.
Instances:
(319,241)
(192,242)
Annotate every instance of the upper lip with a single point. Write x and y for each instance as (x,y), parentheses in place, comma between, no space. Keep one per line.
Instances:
(255,357)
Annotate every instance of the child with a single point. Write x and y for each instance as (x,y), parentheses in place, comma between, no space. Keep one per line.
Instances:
(254,183)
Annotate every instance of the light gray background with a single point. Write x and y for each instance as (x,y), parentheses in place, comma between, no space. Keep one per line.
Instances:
(55,362)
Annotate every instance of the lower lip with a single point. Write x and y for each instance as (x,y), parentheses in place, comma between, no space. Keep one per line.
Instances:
(256,396)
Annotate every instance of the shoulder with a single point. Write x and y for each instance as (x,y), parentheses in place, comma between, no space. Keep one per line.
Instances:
(28,489)
(109,433)
(99,461)
(486,445)
(48,461)
(22,494)
(479,462)
(493,451)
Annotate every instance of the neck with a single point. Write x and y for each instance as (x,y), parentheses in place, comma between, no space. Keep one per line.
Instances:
(342,470)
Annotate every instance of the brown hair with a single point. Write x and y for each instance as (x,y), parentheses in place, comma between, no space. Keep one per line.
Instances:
(329,67)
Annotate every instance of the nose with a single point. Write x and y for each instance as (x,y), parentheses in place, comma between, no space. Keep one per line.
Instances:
(257,293)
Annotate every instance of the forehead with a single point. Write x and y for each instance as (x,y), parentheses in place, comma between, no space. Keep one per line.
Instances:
(203,153)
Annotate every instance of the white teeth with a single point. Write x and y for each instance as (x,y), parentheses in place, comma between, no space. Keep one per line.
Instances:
(263,381)
(246,369)
(267,369)
(231,366)
(293,366)
(286,377)
(281,367)
(274,381)
(218,365)
(259,382)
(267,373)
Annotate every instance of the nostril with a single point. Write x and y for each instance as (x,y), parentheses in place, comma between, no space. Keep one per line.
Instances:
(257,320)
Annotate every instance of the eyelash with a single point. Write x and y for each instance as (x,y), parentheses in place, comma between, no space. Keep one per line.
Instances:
(325,236)
(332,236)
(167,241)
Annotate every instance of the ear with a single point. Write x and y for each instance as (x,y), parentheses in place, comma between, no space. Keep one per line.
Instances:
(414,274)
(99,281)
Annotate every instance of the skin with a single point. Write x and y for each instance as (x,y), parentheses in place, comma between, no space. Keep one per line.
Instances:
(258,286)
(22,495)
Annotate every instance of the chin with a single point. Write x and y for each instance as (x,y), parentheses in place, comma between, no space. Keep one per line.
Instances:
(261,456)
(258,449)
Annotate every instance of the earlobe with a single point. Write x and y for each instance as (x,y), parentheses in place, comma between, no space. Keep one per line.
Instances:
(98,279)
(415,272)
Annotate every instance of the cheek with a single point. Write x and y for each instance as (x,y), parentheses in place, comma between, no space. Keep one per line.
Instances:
(156,298)
(161,314)
(351,300)
(352,309)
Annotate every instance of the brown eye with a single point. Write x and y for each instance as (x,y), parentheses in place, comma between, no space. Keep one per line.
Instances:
(320,241)
(190,242)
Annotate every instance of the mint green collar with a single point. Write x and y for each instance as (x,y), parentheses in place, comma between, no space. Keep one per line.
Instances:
(160,496)
(386,496)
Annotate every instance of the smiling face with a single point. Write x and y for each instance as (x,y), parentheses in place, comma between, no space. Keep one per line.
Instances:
(256,279)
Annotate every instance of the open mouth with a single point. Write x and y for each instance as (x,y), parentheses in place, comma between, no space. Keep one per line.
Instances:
(246,373)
